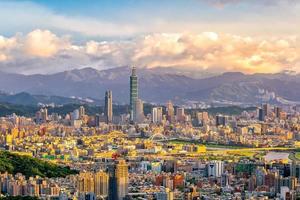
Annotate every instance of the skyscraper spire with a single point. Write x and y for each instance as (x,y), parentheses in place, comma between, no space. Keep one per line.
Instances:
(133,71)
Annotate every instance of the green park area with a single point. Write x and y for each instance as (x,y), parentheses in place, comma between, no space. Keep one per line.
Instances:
(297,155)
(208,145)
(235,153)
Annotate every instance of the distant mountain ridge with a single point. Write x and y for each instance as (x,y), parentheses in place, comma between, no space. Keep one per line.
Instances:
(24,98)
(159,85)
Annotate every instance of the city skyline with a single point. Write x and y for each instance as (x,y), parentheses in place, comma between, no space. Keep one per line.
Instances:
(149,99)
(169,152)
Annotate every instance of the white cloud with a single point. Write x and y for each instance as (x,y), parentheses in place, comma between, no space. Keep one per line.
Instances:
(6,43)
(44,43)
(3,57)
(41,51)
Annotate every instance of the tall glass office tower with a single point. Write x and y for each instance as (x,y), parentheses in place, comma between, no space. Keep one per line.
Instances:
(108,106)
(133,93)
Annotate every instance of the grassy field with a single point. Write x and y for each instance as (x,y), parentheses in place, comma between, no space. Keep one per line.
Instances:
(207,145)
(297,155)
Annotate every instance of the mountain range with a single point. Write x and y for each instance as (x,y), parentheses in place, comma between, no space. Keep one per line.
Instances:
(156,85)
(24,98)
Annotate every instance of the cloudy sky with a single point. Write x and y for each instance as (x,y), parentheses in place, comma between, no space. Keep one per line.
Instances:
(250,36)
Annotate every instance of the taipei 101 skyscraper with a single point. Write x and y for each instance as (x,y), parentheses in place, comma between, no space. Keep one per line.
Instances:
(133,94)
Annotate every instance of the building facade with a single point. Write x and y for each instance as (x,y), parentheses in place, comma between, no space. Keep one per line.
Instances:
(108,107)
(133,93)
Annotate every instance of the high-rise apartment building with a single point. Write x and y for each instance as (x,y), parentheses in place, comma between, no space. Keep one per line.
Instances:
(221,120)
(215,168)
(225,178)
(202,118)
(108,107)
(170,111)
(75,114)
(157,115)
(118,180)
(267,109)
(139,111)
(97,183)
(45,114)
(101,184)
(133,93)
(180,116)
(122,178)
(86,182)
(261,114)
(278,111)
(42,115)
(81,112)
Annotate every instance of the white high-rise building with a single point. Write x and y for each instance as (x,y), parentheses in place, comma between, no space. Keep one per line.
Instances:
(215,168)
(75,114)
(157,115)
(202,118)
